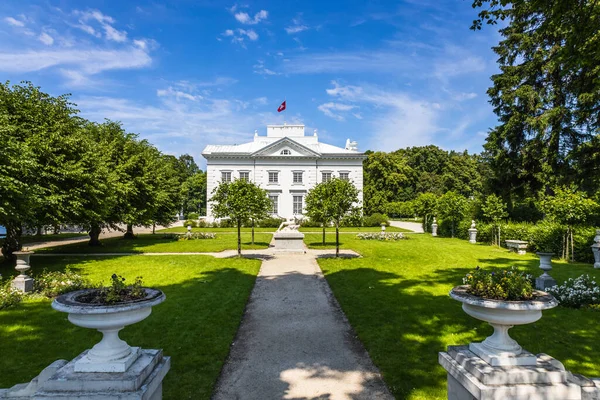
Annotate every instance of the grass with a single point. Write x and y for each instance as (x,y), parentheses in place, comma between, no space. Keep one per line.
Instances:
(148,243)
(396,299)
(195,325)
(355,229)
(216,230)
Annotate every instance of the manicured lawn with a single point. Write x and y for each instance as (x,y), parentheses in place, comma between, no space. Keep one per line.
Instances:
(356,229)
(157,243)
(195,325)
(216,230)
(396,298)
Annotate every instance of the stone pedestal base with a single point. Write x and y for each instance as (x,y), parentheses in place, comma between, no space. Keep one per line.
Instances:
(85,364)
(23,284)
(544,281)
(142,381)
(473,236)
(471,378)
(289,241)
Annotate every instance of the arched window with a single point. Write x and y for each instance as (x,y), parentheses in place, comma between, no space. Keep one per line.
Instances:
(285,152)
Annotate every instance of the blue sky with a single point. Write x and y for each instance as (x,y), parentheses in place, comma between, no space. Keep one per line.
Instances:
(190,73)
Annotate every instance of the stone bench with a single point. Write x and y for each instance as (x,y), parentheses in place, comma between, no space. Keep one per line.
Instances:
(518,246)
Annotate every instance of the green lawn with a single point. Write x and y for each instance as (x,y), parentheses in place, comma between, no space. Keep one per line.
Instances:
(396,298)
(355,229)
(195,325)
(148,243)
(216,230)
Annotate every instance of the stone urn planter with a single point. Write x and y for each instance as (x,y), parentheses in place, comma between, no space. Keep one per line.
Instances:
(111,354)
(23,282)
(500,349)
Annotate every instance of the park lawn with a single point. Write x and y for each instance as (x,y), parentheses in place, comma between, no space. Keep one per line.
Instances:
(344,229)
(181,229)
(396,299)
(158,243)
(195,325)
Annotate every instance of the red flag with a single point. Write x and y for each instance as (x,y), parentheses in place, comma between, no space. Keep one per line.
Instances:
(281,107)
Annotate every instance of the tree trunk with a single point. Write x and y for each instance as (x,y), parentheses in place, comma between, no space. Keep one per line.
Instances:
(453,229)
(95,235)
(337,240)
(154,228)
(572,246)
(56,229)
(499,241)
(239,241)
(252,231)
(12,242)
(129,234)
(323,234)
(39,231)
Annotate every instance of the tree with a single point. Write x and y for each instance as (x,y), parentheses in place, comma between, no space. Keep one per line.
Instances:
(260,206)
(315,207)
(452,206)
(238,200)
(494,210)
(386,178)
(547,94)
(425,206)
(568,207)
(193,194)
(337,197)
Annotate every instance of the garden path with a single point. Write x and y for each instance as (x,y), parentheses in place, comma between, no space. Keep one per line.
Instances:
(294,341)
(416,227)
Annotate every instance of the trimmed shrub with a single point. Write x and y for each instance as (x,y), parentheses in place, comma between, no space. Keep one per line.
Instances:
(225,223)
(193,215)
(376,220)
(55,283)
(203,224)
(270,222)
(190,222)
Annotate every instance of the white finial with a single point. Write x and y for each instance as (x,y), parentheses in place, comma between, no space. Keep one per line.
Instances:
(315,133)
(255,132)
(472,224)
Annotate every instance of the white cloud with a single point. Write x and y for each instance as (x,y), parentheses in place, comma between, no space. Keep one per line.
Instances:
(239,35)
(114,34)
(296,29)
(259,68)
(14,22)
(177,94)
(106,22)
(329,108)
(244,18)
(250,33)
(46,39)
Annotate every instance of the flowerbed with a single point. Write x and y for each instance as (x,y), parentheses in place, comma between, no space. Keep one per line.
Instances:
(9,297)
(55,283)
(388,236)
(511,284)
(578,292)
(197,235)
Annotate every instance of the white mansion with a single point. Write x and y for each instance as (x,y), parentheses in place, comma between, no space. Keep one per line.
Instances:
(286,163)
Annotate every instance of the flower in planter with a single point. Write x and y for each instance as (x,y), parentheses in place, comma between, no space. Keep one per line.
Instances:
(116,292)
(511,284)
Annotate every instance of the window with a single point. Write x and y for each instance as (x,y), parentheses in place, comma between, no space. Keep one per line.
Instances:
(297,177)
(285,152)
(326,176)
(297,205)
(226,176)
(274,204)
(244,176)
(344,176)
(273,177)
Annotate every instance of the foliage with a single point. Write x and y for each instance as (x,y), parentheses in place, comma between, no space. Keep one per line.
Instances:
(116,292)
(55,283)
(386,177)
(191,222)
(578,292)
(197,235)
(400,209)
(240,201)
(193,194)
(332,201)
(452,207)
(494,210)
(193,215)
(511,285)
(425,206)
(9,296)
(376,219)
(269,222)
(387,236)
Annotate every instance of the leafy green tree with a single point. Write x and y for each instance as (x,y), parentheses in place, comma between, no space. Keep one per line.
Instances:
(494,210)
(338,198)
(547,94)
(568,207)
(240,201)
(461,175)
(452,206)
(315,207)
(260,208)
(425,207)
(386,178)
(193,194)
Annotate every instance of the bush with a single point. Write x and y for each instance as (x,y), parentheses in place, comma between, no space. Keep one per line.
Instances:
(190,222)
(197,235)
(307,223)
(511,285)
(203,224)
(193,215)
(388,236)
(376,220)
(52,284)
(270,222)
(9,297)
(576,293)
(225,223)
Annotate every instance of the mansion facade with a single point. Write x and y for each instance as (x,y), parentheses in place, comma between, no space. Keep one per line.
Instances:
(286,163)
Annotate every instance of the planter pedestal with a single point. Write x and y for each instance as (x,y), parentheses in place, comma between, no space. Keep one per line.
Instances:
(471,378)
(434,228)
(596,249)
(473,233)
(23,282)
(545,281)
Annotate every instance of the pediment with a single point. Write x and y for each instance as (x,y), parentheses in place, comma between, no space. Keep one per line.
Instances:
(285,147)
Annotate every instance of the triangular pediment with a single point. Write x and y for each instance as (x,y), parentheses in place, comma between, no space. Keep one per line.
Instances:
(285,147)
